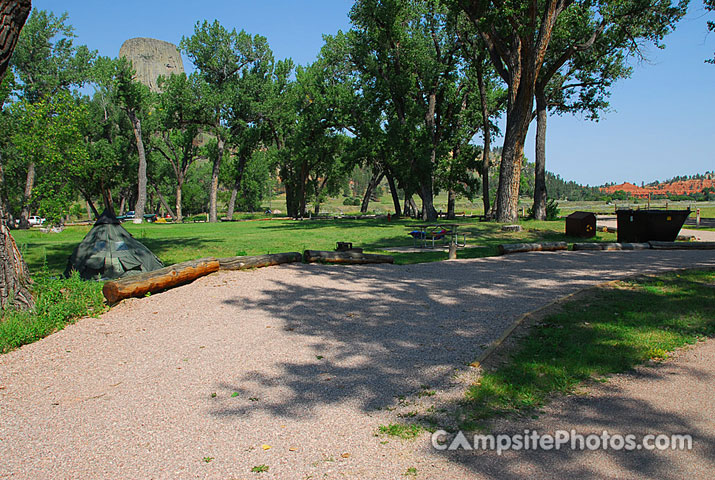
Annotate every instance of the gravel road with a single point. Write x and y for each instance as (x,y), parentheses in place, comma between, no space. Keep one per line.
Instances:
(292,367)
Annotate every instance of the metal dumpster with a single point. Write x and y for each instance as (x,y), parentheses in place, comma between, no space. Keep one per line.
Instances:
(581,224)
(644,225)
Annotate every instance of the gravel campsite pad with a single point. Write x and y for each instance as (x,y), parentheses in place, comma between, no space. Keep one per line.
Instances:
(290,369)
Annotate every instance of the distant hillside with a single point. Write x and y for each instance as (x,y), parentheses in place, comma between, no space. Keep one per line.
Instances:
(696,187)
(556,187)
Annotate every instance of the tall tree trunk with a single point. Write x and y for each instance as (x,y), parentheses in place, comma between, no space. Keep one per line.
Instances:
(426,193)
(393,192)
(539,208)
(179,189)
(427,185)
(140,206)
(318,192)
(162,200)
(236,187)
(150,201)
(451,201)
(91,209)
(486,128)
(27,196)
(519,63)
(213,194)
(292,201)
(517,126)
(407,207)
(316,208)
(107,198)
(303,179)
(410,208)
(371,186)
(232,200)
(3,192)
(14,276)
(13,14)
(122,203)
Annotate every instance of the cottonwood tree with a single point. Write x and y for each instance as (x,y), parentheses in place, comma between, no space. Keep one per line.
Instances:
(50,133)
(246,138)
(409,55)
(221,58)
(14,276)
(135,99)
(492,98)
(176,140)
(362,117)
(277,114)
(587,54)
(110,143)
(46,63)
(517,35)
(246,133)
(318,144)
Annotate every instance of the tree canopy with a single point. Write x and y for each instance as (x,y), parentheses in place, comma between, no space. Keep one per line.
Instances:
(410,95)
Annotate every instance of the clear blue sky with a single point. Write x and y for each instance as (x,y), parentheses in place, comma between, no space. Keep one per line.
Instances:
(662,122)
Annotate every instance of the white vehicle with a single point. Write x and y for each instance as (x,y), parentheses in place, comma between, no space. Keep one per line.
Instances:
(35,220)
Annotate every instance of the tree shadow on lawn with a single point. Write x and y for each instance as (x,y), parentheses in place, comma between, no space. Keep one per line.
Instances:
(163,247)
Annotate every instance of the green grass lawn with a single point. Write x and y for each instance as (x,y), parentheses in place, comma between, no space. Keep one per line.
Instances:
(612,332)
(384,205)
(63,301)
(58,302)
(174,243)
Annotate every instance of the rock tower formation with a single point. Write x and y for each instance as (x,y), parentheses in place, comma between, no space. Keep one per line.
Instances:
(152,58)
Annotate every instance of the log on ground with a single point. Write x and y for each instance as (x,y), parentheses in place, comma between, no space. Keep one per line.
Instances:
(257,261)
(610,246)
(158,280)
(532,247)
(349,257)
(682,245)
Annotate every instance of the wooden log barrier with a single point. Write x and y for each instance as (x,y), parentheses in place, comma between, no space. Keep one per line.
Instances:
(257,261)
(682,245)
(611,246)
(158,280)
(349,257)
(532,247)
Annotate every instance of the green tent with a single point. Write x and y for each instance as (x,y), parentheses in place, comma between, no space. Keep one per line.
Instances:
(109,251)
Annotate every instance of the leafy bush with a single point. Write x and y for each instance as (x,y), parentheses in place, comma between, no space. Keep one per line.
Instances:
(58,302)
(352,201)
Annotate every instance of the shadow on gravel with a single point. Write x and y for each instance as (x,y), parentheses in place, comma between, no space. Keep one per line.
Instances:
(614,411)
(388,331)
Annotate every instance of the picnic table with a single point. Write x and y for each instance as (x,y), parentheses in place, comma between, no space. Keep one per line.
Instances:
(427,232)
